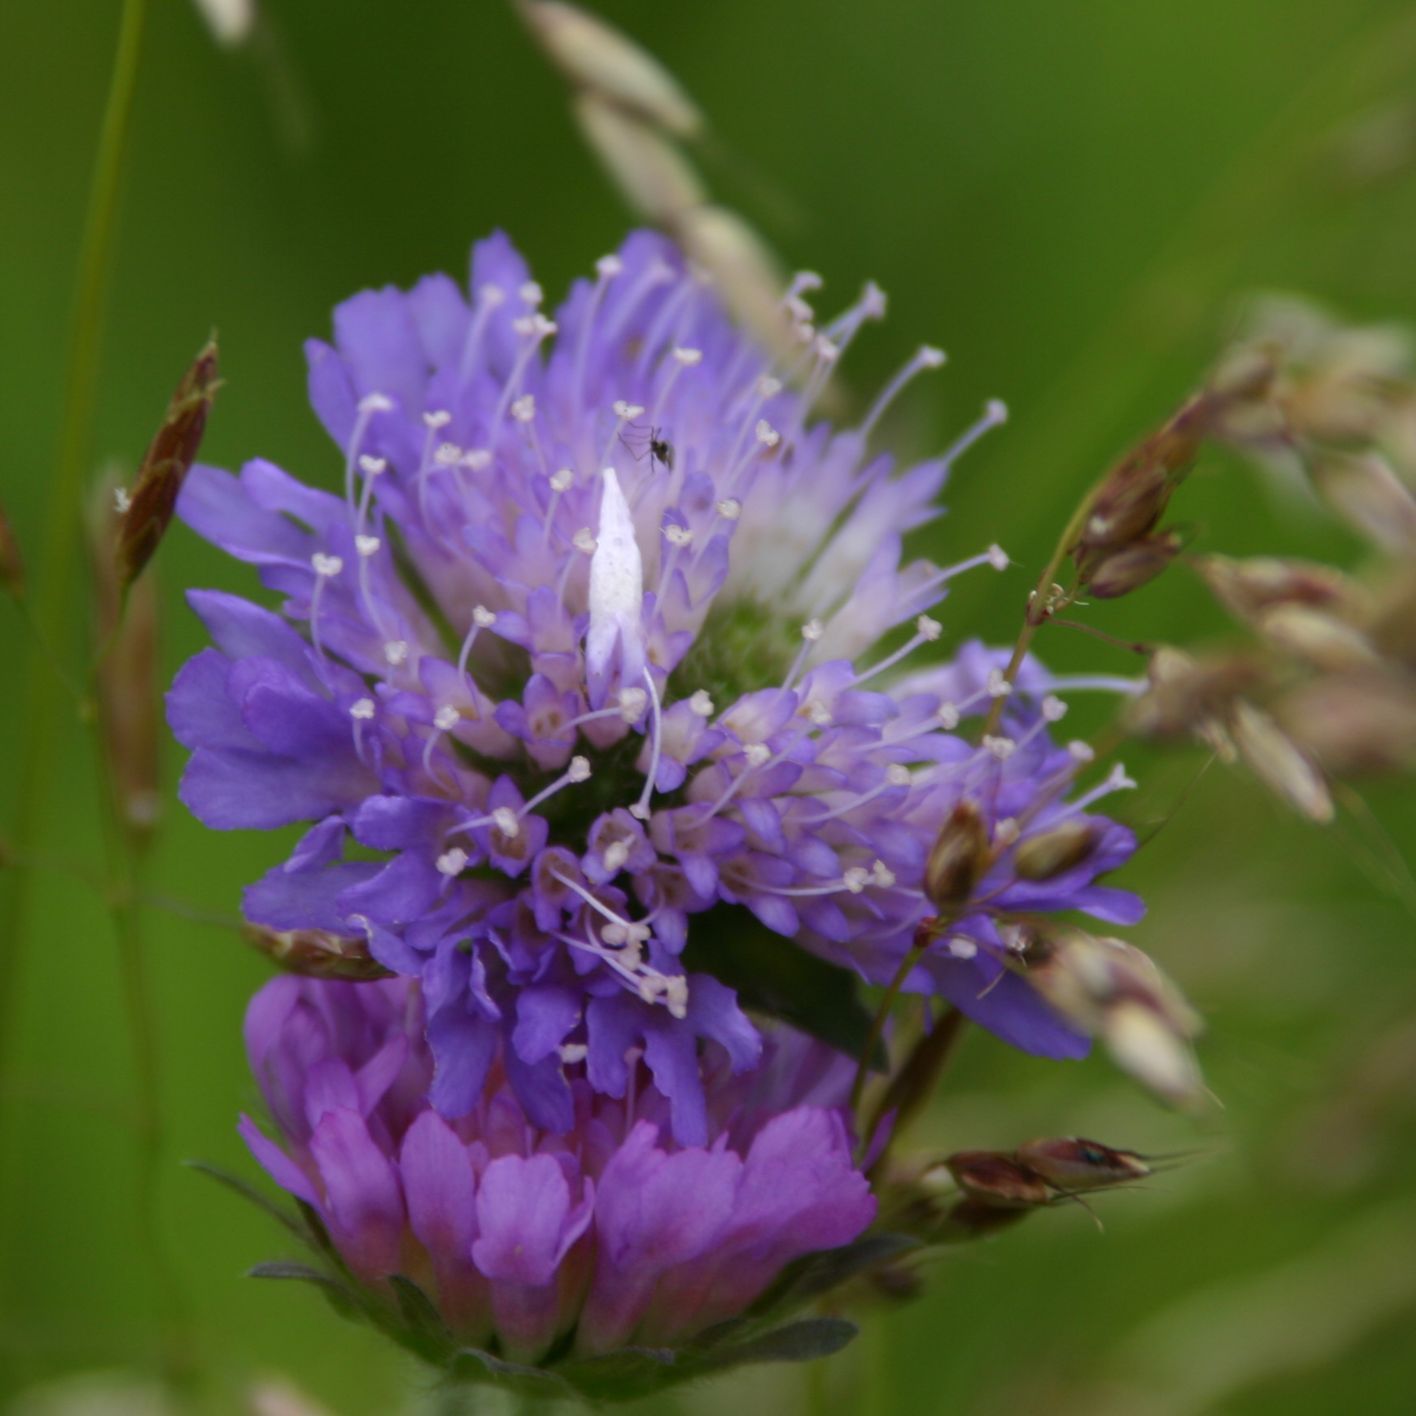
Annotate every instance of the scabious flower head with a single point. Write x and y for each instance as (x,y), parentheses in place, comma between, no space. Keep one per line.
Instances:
(583,661)
(529,1243)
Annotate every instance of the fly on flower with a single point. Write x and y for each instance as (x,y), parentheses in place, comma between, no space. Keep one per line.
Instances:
(648,443)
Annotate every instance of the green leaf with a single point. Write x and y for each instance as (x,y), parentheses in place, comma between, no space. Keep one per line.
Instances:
(249,1192)
(773,975)
(421,1317)
(816,1274)
(800,1341)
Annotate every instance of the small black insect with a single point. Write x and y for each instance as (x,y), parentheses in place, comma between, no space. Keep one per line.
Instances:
(649,444)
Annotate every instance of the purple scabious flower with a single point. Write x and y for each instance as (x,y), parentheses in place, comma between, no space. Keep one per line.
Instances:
(581,660)
(609,1234)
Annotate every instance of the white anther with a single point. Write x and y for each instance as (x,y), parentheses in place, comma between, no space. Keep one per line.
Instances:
(826,350)
(856,879)
(573,1052)
(584,540)
(632,702)
(491,295)
(768,387)
(931,357)
(122,500)
(998,684)
(372,466)
(446,718)
(396,651)
(616,853)
(1080,751)
(476,459)
(998,557)
(929,629)
(962,948)
(505,820)
(688,358)
(615,935)
(996,411)
(376,403)
(523,409)
(362,708)
(897,774)
(1053,708)
(627,411)
(730,508)
(756,753)
(447,455)
(819,714)
(534,326)
(999,747)
(812,630)
(700,704)
(1006,831)
(579,769)
(437,418)
(326,566)
(531,293)
(676,996)
(609,266)
(482,617)
(947,715)
(563,480)
(767,435)
(367,545)
(678,535)
(882,875)
(452,862)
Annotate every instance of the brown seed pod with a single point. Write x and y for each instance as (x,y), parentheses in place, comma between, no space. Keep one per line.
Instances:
(997,1180)
(1278,762)
(1049,853)
(1135,565)
(315,953)
(165,466)
(1074,1164)
(959,857)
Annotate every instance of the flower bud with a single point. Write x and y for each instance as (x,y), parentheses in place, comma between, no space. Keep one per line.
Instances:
(1101,986)
(1050,852)
(165,466)
(743,270)
(315,953)
(1138,564)
(1319,638)
(595,56)
(1187,696)
(997,1180)
(1365,492)
(1146,1048)
(1355,723)
(12,565)
(1072,1164)
(650,173)
(1278,762)
(1248,587)
(959,858)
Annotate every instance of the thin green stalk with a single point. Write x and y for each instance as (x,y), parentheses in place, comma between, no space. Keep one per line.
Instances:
(57,577)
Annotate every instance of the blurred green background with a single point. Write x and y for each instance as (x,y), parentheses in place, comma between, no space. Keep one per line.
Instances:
(1070,196)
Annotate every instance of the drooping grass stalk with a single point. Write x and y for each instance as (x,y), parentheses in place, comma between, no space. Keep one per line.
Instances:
(1239,210)
(45,673)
